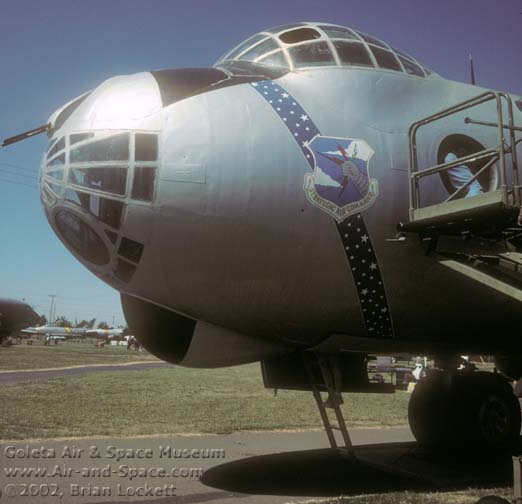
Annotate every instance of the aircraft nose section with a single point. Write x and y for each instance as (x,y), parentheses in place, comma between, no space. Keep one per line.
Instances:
(99,172)
(122,102)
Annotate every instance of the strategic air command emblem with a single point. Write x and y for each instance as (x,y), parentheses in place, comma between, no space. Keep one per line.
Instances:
(340,183)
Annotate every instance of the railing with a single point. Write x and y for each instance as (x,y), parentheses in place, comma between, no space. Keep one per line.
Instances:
(510,193)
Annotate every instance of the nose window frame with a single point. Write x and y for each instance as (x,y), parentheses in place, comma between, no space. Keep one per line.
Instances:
(102,197)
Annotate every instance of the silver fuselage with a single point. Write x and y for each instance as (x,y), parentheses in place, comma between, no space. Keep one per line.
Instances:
(230,238)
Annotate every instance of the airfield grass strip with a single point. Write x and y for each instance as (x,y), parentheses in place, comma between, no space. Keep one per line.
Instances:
(176,400)
(468,496)
(37,356)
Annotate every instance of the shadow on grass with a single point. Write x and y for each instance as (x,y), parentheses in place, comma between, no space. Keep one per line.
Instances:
(375,469)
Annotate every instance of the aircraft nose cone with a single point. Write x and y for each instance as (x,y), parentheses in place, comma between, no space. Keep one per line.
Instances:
(99,172)
(123,102)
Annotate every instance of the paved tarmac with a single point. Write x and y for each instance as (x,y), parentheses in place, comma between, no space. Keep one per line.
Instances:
(88,470)
(245,467)
(47,374)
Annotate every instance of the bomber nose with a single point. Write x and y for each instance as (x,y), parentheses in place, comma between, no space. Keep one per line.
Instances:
(103,157)
(121,102)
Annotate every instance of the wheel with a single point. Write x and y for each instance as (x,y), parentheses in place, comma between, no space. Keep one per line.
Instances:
(492,499)
(473,409)
(496,411)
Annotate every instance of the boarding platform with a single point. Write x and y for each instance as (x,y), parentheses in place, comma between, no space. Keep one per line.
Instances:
(495,212)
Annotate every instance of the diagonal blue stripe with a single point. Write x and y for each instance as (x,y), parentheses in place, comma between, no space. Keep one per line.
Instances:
(354,235)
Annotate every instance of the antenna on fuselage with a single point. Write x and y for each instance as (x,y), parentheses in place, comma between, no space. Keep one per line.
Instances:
(471,69)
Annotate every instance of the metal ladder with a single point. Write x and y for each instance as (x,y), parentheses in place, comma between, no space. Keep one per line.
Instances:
(329,382)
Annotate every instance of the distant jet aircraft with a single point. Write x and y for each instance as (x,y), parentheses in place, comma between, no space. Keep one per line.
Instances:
(303,203)
(60,333)
(15,315)
(107,334)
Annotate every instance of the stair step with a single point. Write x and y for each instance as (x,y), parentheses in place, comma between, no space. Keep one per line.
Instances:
(330,406)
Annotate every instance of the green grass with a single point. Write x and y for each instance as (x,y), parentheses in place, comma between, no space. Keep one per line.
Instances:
(180,400)
(38,356)
(469,496)
(177,400)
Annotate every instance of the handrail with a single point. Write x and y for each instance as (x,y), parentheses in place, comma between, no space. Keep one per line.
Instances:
(513,146)
(470,158)
(468,120)
(475,176)
(415,174)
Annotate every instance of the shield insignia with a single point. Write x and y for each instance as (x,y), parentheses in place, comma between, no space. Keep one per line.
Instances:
(340,183)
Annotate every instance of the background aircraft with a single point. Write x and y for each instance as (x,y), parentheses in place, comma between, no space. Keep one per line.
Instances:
(292,205)
(109,334)
(57,332)
(15,315)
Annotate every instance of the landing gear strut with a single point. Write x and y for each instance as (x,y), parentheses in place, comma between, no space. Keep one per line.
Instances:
(468,409)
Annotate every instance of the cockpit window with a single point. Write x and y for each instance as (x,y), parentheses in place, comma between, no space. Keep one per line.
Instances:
(276,59)
(50,144)
(353,53)
(312,54)
(339,32)
(244,46)
(299,35)
(58,160)
(107,210)
(260,49)
(113,237)
(112,180)
(57,189)
(143,183)
(55,174)
(303,45)
(114,148)
(146,147)
(411,67)
(78,198)
(47,197)
(81,237)
(404,55)
(372,40)
(130,249)
(57,147)
(386,59)
(248,71)
(79,137)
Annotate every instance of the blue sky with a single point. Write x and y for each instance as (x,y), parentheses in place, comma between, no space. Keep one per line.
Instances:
(52,51)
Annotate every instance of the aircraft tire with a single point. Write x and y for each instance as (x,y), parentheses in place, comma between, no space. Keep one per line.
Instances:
(492,499)
(430,410)
(473,409)
(499,416)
